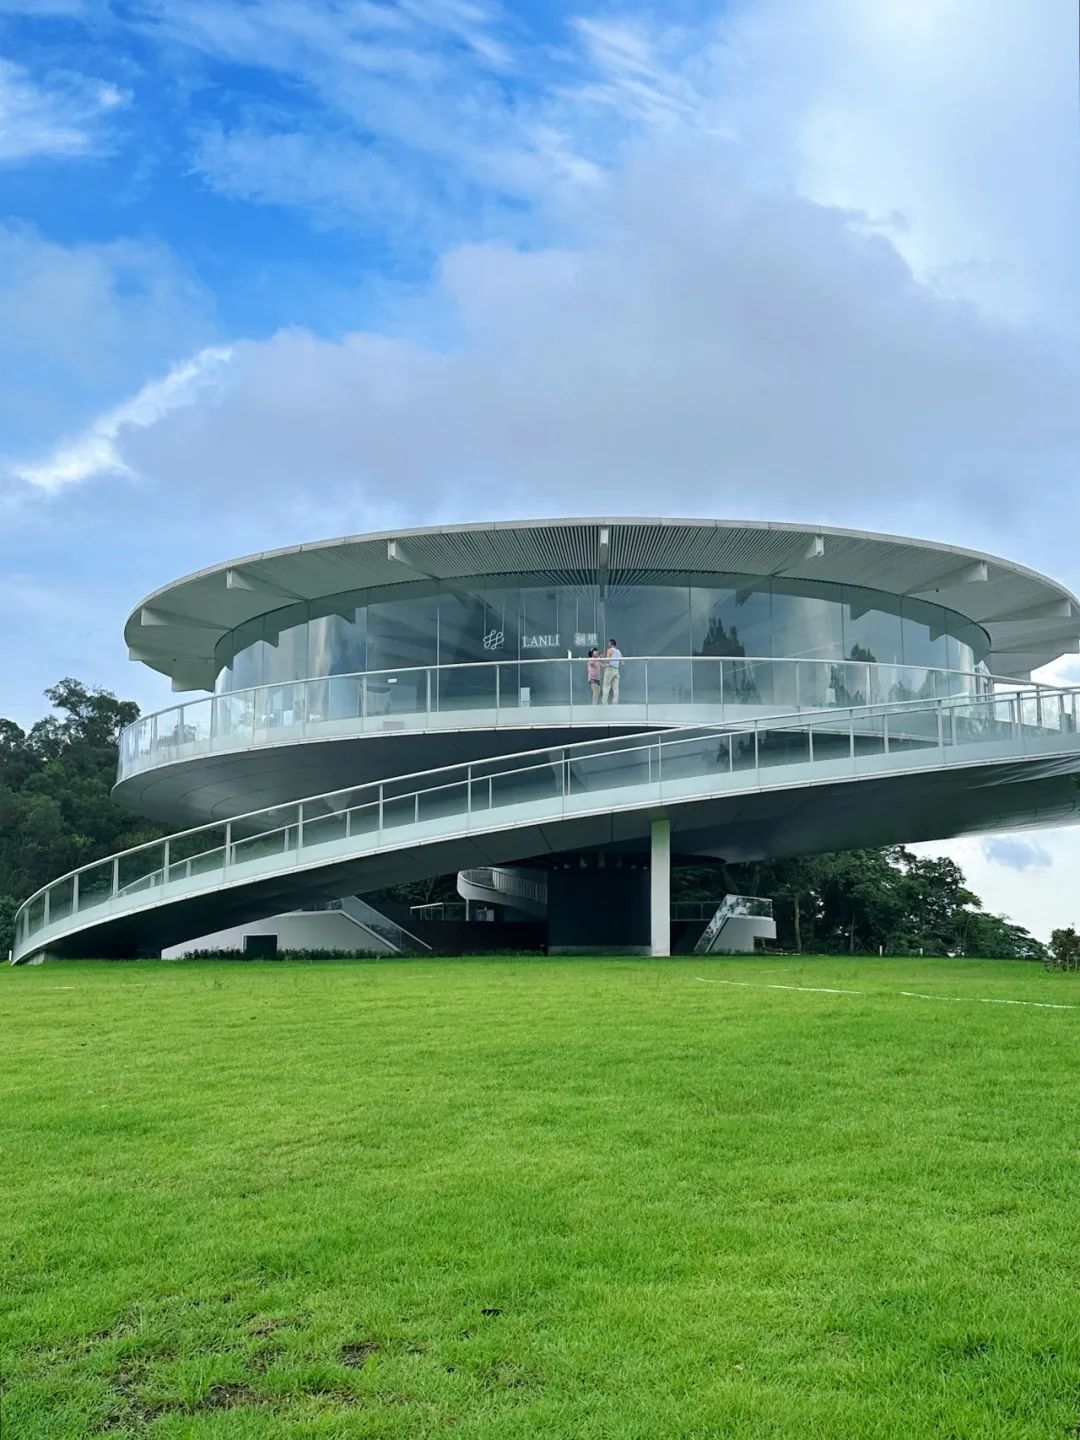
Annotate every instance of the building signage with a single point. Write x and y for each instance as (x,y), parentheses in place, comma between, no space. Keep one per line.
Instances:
(494,640)
(539,642)
(585,637)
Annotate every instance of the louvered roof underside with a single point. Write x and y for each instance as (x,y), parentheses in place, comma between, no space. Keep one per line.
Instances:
(1029,618)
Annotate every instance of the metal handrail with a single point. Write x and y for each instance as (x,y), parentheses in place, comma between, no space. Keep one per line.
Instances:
(258,715)
(505,882)
(349,800)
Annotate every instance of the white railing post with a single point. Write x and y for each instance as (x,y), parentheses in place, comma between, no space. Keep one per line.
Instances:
(646,688)
(115,878)
(166,851)
(427,681)
(380,829)
(299,828)
(75,893)
(46,908)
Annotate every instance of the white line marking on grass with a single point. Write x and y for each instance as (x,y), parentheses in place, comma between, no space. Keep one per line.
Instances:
(987,1000)
(810,989)
(908,994)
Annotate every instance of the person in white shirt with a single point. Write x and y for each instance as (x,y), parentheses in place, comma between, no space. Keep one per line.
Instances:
(612,660)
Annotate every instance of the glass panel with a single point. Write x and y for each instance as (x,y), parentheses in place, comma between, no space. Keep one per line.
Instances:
(364,819)
(783,747)
(324,829)
(445,802)
(649,619)
(95,885)
(478,625)
(671,682)
(696,757)
(872,626)
(914,729)
(61,896)
(465,687)
(535,780)
(233,718)
(286,640)
(707,681)
(744,750)
(613,769)
(247,665)
(274,832)
(403,633)
(399,810)
(199,854)
(337,642)
(279,707)
(35,914)
(339,698)
(806,621)
(924,634)
(474,629)
(197,717)
(543,637)
(730,619)
(141,870)
(869,735)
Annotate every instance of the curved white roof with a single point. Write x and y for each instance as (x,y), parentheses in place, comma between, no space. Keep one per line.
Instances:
(1029,618)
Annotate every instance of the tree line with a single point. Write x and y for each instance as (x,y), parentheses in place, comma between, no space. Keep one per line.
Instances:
(57,813)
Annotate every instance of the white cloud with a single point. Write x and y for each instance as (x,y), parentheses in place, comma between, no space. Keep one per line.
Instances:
(705,349)
(396,112)
(83,326)
(58,118)
(952,124)
(98,451)
(1016,853)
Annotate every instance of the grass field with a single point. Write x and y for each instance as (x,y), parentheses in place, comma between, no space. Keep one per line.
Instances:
(558,1198)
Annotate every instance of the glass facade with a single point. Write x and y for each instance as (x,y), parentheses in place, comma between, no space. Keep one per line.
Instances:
(512,620)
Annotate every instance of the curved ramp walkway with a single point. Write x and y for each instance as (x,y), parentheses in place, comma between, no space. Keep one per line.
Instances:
(505,810)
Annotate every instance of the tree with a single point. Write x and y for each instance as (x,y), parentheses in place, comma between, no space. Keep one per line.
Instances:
(56,810)
(859,900)
(1065,948)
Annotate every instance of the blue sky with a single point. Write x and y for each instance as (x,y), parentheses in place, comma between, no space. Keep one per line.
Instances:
(273,271)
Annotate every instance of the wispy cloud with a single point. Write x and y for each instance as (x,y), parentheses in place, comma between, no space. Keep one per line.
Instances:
(97,452)
(421,108)
(61,116)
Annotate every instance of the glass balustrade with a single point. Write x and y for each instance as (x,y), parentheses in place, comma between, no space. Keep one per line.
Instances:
(553,783)
(660,689)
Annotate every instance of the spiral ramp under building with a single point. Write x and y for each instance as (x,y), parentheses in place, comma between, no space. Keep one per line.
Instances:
(811,780)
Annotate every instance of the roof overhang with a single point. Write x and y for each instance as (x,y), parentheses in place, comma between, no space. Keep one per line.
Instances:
(1029,618)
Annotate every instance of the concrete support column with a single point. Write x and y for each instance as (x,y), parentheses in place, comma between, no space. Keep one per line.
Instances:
(660,887)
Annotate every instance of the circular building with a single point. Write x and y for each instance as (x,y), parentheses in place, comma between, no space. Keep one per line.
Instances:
(551,708)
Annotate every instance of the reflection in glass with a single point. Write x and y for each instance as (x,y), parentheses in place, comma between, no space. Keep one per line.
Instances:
(730,617)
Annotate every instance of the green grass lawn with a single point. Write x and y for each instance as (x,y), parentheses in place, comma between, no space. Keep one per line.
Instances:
(558,1198)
